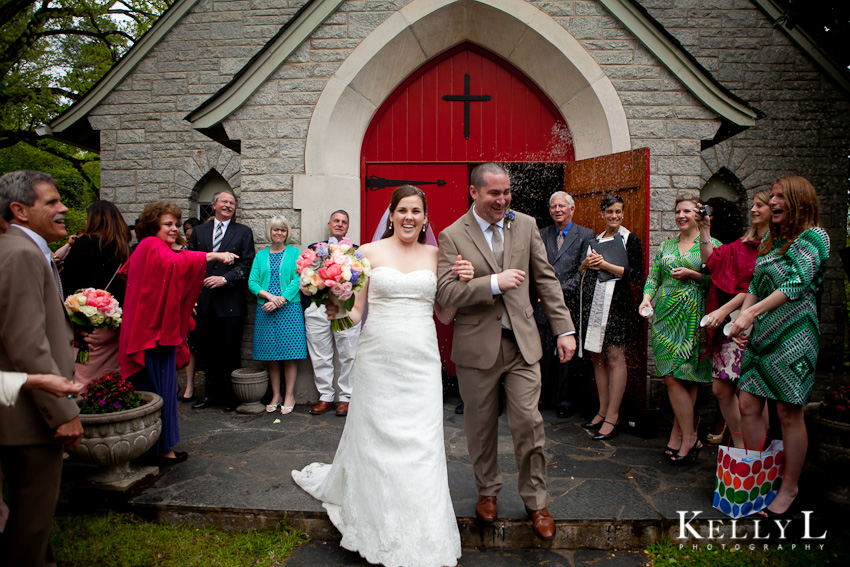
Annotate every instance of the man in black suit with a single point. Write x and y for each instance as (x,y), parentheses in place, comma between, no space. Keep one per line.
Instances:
(222,305)
(566,245)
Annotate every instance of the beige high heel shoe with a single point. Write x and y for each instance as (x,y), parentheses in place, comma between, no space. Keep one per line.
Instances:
(716,438)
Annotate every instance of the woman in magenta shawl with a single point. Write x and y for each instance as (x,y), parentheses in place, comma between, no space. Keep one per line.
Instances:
(731,267)
(163,285)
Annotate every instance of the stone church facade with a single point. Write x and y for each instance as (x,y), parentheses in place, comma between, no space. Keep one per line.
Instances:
(274,97)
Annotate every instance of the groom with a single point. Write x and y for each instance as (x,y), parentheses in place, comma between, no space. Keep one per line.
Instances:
(496,338)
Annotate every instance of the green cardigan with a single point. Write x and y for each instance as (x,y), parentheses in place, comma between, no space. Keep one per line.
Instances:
(290,284)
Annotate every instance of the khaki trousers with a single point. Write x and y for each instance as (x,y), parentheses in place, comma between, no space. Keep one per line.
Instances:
(480,392)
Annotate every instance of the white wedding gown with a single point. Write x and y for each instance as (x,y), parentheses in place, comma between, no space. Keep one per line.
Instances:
(387,490)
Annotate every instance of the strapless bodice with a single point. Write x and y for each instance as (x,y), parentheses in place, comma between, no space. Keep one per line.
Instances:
(398,294)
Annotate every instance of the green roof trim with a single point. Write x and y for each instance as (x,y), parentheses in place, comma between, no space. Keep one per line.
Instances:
(681,63)
(72,125)
(806,43)
(257,71)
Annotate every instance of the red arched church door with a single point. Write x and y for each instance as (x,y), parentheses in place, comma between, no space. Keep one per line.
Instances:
(464,107)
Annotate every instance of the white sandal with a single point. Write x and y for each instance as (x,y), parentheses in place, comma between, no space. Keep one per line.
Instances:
(286,409)
(271,408)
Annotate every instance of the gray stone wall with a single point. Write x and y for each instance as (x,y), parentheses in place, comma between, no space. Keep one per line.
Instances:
(149,152)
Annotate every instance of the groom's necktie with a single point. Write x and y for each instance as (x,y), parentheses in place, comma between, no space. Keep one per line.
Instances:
(219,234)
(499,252)
(498,245)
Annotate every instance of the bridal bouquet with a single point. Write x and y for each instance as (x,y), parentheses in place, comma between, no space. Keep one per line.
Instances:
(334,271)
(91,308)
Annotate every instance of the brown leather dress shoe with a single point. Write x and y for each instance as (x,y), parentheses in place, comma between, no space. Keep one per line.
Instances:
(342,409)
(486,509)
(321,408)
(542,523)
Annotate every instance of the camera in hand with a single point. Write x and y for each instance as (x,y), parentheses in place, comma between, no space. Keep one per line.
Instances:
(704,211)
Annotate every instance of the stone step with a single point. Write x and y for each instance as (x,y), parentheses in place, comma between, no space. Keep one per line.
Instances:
(502,534)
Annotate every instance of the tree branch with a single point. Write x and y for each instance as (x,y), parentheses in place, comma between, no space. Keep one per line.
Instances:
(12,8)
(101,35)
(75,162)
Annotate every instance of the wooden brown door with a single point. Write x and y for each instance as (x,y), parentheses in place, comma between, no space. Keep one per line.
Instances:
(627,175)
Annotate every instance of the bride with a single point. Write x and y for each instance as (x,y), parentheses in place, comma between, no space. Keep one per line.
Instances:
(387,490)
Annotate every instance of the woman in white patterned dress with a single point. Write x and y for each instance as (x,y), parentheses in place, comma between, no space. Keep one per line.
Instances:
(387,490)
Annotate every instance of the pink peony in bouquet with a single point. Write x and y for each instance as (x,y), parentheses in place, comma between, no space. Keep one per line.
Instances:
(334,270)
(91,308)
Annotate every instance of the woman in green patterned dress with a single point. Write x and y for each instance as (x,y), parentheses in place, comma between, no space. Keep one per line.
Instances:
(782,351)
(678,286)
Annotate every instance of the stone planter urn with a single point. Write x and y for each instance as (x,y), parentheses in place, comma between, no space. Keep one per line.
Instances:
(113,440)
(829,441)
(249,385)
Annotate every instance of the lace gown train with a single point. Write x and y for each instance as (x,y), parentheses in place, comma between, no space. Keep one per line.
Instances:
(387,490)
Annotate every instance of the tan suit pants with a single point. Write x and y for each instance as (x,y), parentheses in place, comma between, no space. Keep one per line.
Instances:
(480,392)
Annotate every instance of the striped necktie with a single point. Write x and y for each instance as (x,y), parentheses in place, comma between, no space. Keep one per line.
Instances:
(58,280)
(560,240)
(219,234)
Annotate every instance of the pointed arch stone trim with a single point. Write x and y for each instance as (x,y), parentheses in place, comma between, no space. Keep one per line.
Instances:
(515,30)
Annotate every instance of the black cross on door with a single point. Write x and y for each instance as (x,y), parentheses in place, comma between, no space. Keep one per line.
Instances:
(466,98)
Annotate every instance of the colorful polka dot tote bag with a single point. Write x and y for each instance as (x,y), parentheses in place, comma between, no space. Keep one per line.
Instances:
(747,481)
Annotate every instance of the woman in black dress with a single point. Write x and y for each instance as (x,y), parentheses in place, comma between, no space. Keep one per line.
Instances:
(92,261)
(614,260)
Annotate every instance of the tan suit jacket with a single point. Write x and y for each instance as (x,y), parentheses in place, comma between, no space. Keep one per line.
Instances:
(478,326)
(35,337)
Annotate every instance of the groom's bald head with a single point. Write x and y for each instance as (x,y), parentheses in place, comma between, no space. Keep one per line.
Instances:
(477,177)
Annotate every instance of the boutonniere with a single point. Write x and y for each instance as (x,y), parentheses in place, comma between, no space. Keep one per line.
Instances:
(509,216)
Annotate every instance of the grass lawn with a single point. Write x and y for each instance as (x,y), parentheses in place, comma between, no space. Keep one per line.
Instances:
(123,540)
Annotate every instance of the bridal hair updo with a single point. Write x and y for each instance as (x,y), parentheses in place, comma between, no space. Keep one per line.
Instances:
(398,195)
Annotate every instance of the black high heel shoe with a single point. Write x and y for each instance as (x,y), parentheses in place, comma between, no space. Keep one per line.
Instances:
(769,514)
(609,435)
(593,426)
(680,461)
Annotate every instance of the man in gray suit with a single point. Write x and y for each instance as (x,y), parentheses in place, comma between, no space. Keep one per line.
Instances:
(35,337)
(566,245)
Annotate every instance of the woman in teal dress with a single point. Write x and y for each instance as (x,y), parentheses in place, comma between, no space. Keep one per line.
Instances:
(781,306)
(279,323)
(678,286)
